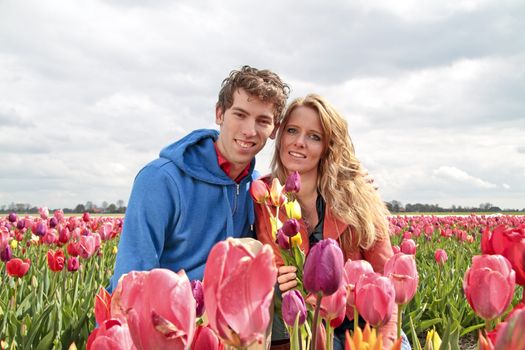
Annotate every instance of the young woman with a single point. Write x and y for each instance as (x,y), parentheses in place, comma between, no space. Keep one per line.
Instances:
(336,199)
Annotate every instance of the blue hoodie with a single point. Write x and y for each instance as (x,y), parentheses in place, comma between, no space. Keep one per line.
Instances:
(182,204)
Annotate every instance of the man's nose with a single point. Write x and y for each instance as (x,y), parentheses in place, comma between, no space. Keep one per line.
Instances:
(248,128)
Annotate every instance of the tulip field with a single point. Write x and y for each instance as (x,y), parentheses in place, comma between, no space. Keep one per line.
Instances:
(53,267)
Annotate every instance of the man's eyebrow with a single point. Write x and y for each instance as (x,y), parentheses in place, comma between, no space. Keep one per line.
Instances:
(239,109)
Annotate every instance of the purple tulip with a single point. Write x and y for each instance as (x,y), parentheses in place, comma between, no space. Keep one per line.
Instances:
(293,183)
(11,217)
(6,254)
(323,269)
(292,306)
(198,294)
(291,227)
(282,240)
(41,229)
(20,224)
(53,222)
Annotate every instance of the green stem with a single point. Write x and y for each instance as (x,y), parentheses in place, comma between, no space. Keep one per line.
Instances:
(488,325)
(316,320)
(438,280)
(399,319)
(356,319)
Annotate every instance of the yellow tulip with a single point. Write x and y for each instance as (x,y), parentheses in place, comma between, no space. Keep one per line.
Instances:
(13,244)
(297,240)
(433,341)
(293,209)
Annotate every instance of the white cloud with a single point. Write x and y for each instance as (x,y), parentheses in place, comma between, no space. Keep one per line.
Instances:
(459,175)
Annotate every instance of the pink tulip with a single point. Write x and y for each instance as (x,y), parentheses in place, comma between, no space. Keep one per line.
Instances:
(396,249)
(206,339)
(353,270)
(489,285)
(510,336)
(402,271)
(72,264)
(88,246)
(259,191)
(441,256)
(408,246)
(333,307)
(375,298)
(158,306)
(113,334)
(44,212)
(238,291)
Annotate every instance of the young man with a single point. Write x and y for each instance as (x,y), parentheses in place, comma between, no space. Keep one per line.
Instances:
(197,193)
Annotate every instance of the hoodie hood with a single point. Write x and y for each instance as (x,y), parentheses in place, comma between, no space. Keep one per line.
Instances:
(195,155)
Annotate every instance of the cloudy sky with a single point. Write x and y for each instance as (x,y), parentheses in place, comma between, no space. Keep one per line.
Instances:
(434,91)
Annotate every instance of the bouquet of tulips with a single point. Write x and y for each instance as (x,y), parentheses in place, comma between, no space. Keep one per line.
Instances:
(329,289)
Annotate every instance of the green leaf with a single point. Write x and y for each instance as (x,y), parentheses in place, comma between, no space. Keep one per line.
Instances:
(45,343)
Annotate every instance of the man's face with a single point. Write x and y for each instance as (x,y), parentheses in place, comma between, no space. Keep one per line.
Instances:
(244,128)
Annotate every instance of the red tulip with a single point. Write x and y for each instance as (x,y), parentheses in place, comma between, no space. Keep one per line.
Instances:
(441,256)
(112,334)
(402,271)
(206,339)
(408,246)
(55,260)
(396,249)
(259,191)
(323,269)
(515,253)
(375,298)
(353,270)
(17,267)
(102,306)
(73,249)
(238,291)
(489,285)
(158,306)
(86,217)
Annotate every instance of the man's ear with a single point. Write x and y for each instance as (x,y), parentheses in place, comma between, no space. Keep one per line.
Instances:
(274,132)
(219,115)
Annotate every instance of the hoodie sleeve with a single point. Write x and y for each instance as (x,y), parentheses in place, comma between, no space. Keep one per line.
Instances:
(152,211)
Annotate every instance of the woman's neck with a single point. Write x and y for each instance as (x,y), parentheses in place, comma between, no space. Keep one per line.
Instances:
(308,192)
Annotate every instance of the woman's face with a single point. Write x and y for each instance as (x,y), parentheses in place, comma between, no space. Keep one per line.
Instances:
(302,141)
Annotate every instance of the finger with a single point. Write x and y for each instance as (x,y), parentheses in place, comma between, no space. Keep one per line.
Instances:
(287,277)
(287,286)
(287,269)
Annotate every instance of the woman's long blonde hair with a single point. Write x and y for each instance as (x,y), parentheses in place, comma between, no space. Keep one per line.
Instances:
(346,192)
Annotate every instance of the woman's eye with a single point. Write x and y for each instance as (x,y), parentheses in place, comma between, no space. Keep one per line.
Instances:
(291,130)
(315,137)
